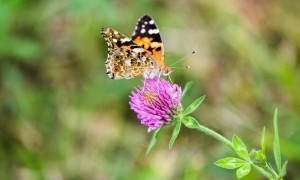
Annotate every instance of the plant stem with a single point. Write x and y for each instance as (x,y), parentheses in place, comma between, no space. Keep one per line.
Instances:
(215,135)
(263,171)
(271,170)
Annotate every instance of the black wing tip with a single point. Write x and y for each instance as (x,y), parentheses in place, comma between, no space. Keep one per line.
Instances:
(145,17)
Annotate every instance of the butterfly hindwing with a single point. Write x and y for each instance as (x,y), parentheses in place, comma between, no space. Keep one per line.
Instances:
(125,58)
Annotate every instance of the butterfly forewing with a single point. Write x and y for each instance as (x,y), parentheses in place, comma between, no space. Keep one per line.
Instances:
(146,35)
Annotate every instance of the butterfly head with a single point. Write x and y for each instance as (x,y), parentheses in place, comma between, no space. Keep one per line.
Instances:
(166,71)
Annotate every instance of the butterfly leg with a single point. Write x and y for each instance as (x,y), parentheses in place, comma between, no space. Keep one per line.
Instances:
(158,81)
(169,77)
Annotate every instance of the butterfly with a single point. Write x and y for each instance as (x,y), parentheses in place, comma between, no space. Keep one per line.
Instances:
(142,54)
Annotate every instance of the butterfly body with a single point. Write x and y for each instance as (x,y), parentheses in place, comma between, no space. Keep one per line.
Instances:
(143,54)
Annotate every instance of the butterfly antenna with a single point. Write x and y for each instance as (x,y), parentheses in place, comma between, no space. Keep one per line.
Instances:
(193,52)
(176,68)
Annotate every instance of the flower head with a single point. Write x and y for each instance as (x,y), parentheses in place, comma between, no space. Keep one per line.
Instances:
(156,103)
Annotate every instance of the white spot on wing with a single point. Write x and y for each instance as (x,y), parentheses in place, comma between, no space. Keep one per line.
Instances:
(153,31)
(125,39)
(127,63)
(143,31)
(151,22)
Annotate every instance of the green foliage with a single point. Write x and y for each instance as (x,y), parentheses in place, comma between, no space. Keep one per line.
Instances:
(186,88)
(243,171)
(193,106)
(153,140)
(276,144)
(283,170)
(255,158)
(230,163)
(263,171)
(240,148)
(263,140)
(175,133)
(258,157)
(190,122)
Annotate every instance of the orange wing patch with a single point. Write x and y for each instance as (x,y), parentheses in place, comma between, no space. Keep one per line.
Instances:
(155,49)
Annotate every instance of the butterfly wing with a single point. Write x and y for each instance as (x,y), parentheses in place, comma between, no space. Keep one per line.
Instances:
(146,35)
(125,58)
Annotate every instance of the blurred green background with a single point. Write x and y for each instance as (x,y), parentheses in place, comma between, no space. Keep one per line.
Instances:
(63,118)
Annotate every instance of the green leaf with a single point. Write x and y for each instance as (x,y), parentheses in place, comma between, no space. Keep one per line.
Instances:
(277,152)
(153,140)
(240,148)
(283,170)
(186,88)
(190,122)
(193,106)
(175,133)
(263,140)
(230,163)
(243,171)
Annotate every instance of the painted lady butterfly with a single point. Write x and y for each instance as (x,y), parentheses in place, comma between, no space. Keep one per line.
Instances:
(143,54)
